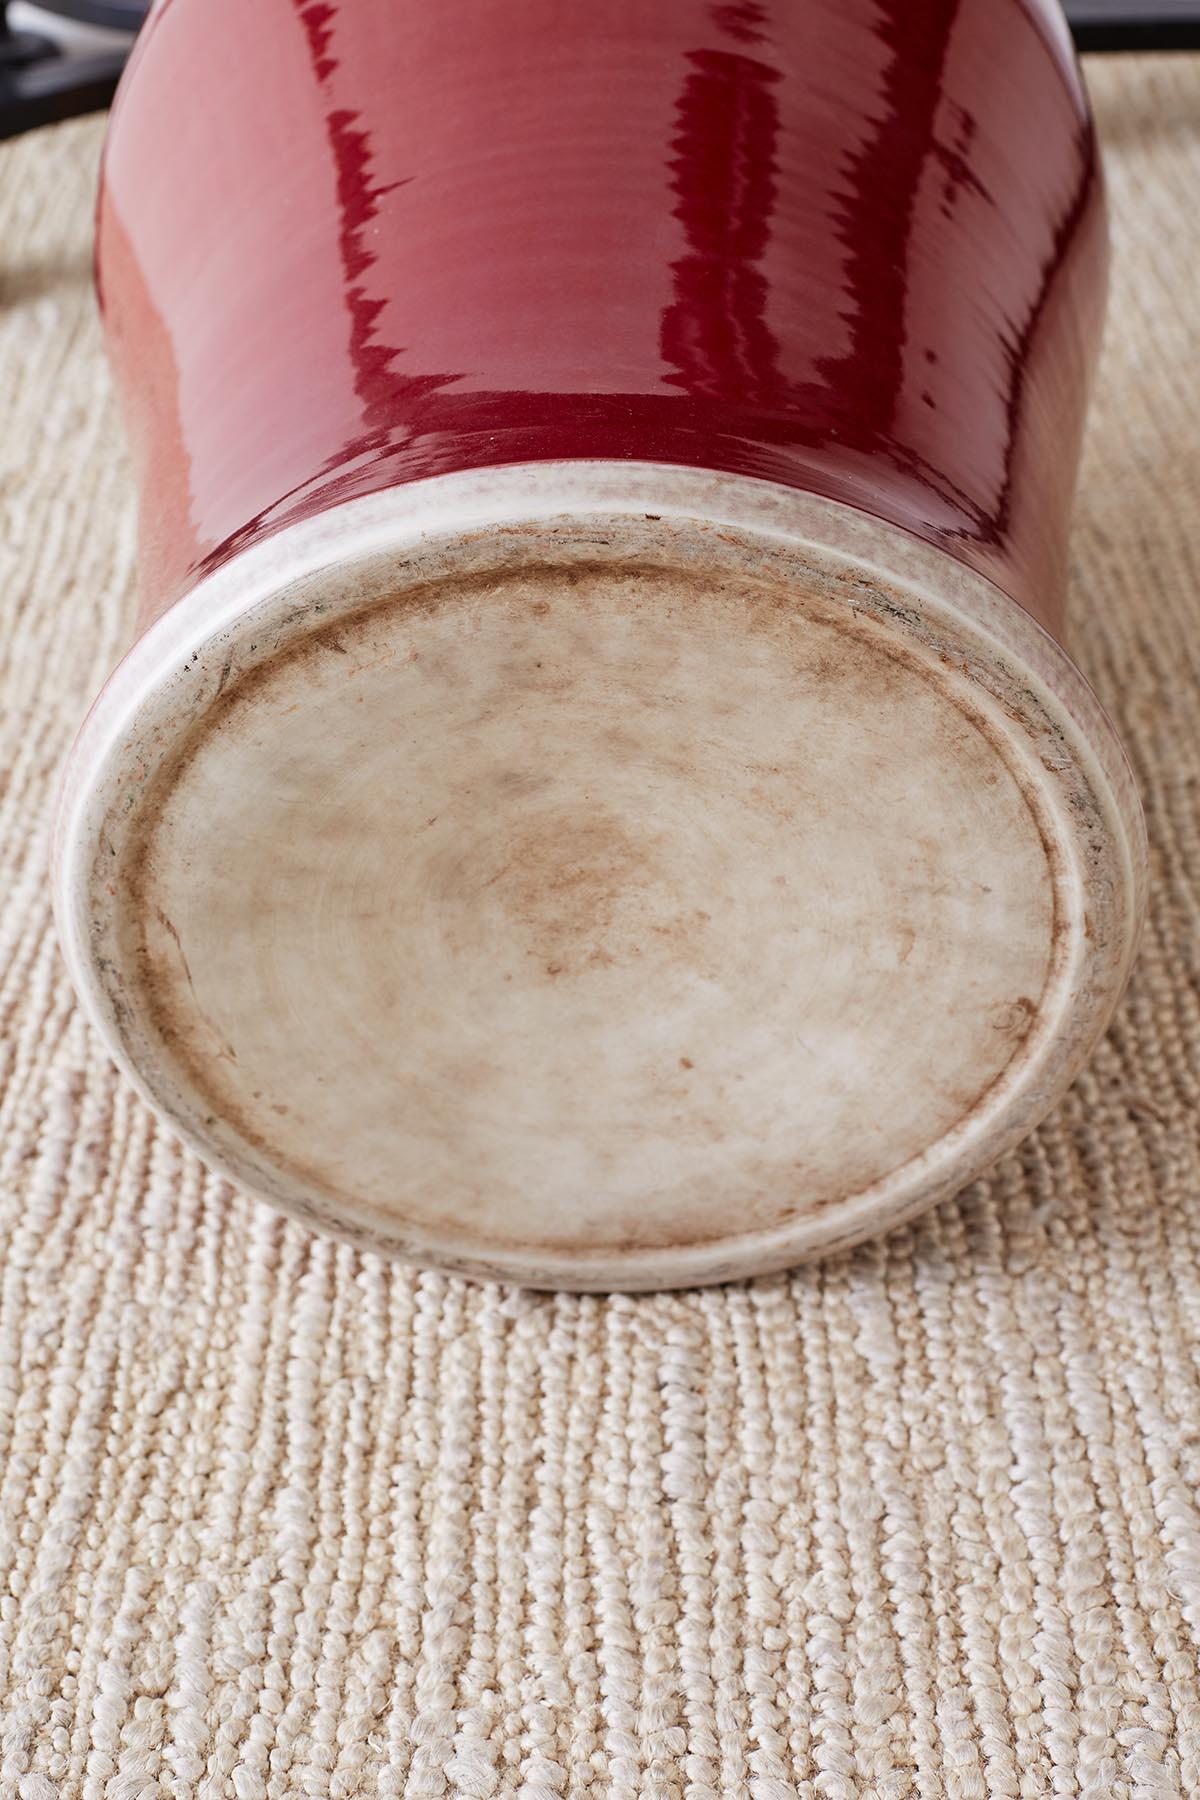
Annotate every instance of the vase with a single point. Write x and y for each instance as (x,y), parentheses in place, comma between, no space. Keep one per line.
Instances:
(598,797)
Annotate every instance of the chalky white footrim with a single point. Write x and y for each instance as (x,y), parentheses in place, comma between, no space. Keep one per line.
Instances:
(929,599)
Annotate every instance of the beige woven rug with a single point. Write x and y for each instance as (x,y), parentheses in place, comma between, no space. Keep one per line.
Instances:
(277,1519)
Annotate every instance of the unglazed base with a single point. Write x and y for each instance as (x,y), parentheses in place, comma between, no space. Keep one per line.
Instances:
(599,876)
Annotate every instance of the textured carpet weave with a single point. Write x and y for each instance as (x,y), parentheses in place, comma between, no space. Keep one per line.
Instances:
(278,1519)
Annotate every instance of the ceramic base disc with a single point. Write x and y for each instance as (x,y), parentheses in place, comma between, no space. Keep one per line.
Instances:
(602,913)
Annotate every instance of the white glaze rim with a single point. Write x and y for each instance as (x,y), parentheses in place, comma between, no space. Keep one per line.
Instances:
(250,595)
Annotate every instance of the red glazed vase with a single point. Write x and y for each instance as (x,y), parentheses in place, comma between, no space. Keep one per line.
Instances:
(598,797)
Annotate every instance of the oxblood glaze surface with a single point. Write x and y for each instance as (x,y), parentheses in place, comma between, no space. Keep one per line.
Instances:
(857,246)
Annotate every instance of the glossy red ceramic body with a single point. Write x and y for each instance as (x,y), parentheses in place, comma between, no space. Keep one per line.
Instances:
(854,246)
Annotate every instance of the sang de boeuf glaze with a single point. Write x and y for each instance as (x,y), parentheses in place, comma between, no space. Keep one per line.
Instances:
(598,797)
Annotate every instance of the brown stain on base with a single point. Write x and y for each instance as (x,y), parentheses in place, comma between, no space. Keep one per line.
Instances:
(561,894)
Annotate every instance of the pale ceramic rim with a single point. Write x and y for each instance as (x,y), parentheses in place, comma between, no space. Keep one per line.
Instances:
(182,659)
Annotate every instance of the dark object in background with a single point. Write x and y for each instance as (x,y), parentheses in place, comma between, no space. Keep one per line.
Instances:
(110,15)
(1126,25)
(40,81)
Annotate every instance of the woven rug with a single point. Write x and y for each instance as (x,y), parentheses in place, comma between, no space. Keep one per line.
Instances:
(277,1519)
